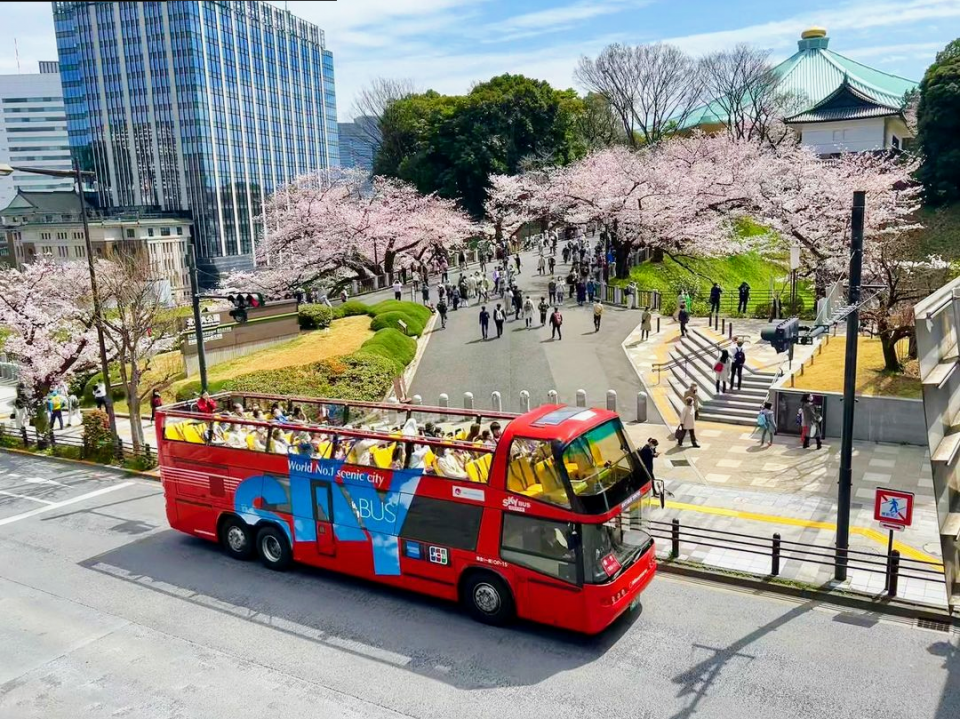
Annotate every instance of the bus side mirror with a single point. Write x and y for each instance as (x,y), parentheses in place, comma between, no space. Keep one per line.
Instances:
(660,490)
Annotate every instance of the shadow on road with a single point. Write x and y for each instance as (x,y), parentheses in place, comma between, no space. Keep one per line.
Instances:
(696,681)
(422,635)
(949,706)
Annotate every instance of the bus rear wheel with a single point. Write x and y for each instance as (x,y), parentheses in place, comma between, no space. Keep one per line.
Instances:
(273,548)
(488,599)
(235,538)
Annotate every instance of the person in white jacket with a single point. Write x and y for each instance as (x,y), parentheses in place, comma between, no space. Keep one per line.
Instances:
(688,423)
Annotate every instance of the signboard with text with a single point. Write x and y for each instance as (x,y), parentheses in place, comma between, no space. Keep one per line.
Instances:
(893,508)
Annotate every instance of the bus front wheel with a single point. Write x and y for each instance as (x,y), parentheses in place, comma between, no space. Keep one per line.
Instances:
(488,598)
(235,538)
(273,548)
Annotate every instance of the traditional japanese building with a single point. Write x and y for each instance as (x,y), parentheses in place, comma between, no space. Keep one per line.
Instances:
(841,105)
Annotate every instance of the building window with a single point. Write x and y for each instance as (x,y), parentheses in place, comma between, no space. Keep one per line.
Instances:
(179,230)
(44,235)
(164,231)
(63,251)
(149,232)
(61,235)
(130,233)
(895,142)
(80,251)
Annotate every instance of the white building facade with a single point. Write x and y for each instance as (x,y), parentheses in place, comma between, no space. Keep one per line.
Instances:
(33,131)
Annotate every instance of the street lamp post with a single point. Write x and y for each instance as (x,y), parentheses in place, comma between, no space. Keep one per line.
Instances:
(77,175)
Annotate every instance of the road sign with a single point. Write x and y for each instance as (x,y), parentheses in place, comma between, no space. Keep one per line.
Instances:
(893,508)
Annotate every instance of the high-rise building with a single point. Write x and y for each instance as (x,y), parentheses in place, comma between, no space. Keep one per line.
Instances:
(359,141)
(33,131)
(203,107)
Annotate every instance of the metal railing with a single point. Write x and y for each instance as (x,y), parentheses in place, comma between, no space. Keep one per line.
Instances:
(685,358)
(74,447)
(893,566)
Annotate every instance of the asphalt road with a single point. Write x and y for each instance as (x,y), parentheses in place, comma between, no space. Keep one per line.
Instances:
(106,612)
(457,360)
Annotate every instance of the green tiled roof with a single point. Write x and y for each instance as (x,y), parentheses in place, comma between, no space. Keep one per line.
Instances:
(814,73)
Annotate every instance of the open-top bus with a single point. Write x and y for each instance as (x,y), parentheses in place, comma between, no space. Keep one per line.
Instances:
(524,522)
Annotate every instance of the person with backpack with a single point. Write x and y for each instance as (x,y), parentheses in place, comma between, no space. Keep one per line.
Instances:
(766,423)
(722,370)
(739,360)
(442,311)
(55,405)
(499,317)
(484,322)
(556,321)
(544,308)
(528,311)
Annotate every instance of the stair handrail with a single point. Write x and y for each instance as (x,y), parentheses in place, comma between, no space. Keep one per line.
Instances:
(697,354)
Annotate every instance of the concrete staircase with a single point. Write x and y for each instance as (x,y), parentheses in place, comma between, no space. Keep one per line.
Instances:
(692,361)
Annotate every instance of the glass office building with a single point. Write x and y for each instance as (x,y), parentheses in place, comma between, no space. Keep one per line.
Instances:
(203,107)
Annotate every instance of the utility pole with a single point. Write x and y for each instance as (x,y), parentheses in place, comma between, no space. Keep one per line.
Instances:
(849,386)
(197,327)
(97,308)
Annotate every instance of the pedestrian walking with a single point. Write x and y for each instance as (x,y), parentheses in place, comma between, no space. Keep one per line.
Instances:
(743,297)
(810,422)
(590,290)
(55,405)
(581,293)
(516,259)
(767,423)
(484,322)
(558,298)
(739,360)
(552,290)
(156,401)
(544,308)
(517,303)
(397,290)
(73,410)
(681,304)
(721,370)
(556,322)
(552,261)
(541,264)
(100,395)
(647,454)
(597,315)
(528,311)
(688,423)
(715,293)
(692,393)
(633,292)
(499,317)
(20,407)
(646,324)
(684,317)
(442,311)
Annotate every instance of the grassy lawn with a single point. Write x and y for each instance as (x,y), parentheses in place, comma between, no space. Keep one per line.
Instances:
(941,232)
(697,274)
(344,337)
(826,374)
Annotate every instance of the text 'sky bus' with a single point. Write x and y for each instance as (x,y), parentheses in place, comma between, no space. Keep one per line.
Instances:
(511,515)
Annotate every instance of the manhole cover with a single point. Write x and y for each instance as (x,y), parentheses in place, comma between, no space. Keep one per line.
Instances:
(680,462)
(933,625)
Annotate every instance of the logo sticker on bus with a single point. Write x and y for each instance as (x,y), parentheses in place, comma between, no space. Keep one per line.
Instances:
(438,555)
(476,495)
(515,505)
(493,562)
(632,499)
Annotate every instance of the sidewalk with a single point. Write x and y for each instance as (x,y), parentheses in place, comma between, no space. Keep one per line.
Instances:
(732,484)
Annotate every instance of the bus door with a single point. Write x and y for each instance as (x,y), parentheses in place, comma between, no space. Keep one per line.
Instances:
(322,514)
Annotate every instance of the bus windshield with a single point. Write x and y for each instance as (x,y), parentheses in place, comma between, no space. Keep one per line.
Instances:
(600,465)
(608,549)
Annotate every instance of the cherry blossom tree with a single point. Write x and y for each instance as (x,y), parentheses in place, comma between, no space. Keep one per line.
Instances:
(46,307)
(340,225)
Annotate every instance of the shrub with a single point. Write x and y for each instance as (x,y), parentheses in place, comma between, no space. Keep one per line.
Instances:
(393,345)
(315,317)
(352,308)
(362,376)
(97,440)
(409,308)
(391,320)
(191,390)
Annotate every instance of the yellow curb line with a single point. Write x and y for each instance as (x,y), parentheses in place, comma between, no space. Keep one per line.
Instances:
(871,534)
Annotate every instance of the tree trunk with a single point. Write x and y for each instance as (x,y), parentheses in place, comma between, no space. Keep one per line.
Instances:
(131,384)
(389,258)
(891,362)
(657,255)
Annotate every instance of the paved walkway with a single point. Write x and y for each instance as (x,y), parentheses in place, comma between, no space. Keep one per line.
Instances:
(731,483)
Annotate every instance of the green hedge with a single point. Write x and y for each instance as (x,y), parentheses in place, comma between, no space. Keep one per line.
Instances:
(410,308)
(393,345)
(352,308)
(391,320)
(117,391)
(315,317)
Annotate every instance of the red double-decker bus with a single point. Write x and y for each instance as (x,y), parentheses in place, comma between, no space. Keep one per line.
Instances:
(512,515)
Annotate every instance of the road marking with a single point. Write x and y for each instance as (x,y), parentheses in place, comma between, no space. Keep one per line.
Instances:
(64,503)
(24,496)
(871,534)
(41,480)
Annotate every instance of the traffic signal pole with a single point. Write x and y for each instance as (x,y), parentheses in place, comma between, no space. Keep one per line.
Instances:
(197,326)
(849,387)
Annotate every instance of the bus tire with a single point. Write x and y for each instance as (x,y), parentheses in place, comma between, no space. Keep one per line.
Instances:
(236,538)
(273,548)
(487,597)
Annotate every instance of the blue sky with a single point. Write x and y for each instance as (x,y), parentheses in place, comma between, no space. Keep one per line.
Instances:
(447,45)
